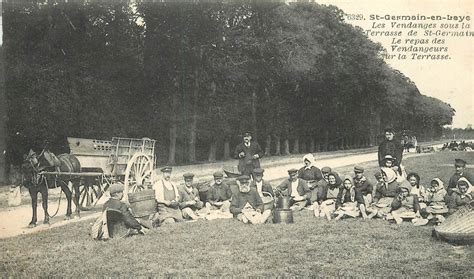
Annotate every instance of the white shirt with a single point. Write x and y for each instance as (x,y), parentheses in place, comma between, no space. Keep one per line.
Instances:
(294,190)
(259,188)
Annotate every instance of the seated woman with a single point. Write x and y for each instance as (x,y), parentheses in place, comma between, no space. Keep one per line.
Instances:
(246,205)
(348,200)
(325,204)
(321,184)
(219,198)
(417,189)
(191,206)
(435,200)
(405,206)
(461,196)
(167,196)
(384,194)
(310,173)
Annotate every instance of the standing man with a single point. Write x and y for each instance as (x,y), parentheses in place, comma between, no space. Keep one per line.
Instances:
(460,166)
(248,153)
(390,146)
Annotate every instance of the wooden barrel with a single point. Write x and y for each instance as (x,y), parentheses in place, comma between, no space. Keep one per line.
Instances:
(142,203)
(282,216)
(458,228)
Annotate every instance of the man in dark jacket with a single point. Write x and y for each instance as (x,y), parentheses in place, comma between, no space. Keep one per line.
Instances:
(259,184)
(295,188)
(248,152)
(390,146)
(115,203)
(246,205)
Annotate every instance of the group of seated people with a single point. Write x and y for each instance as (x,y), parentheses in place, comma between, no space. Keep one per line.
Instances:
(395,195)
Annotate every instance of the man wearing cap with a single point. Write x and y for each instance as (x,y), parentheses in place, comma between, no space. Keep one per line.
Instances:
(219,194)
(295,188)
(167,196)
(460,166)
(115,203)
(390,146)
(246,205)
(249,153)
(189,202)
(364,189)
(259,184)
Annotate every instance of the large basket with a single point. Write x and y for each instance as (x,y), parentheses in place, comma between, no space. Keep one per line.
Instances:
(458,228)
(268,201)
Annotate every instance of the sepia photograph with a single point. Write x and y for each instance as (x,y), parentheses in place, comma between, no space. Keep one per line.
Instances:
(236,138)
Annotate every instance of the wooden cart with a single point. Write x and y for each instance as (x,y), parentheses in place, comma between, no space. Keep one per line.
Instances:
(125,160)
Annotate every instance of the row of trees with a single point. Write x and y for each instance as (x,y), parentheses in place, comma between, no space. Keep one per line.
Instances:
(195,75)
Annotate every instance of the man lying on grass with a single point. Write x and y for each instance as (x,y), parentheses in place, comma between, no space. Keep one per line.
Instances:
(247,206)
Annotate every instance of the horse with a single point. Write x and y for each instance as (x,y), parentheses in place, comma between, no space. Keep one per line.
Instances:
(37,182)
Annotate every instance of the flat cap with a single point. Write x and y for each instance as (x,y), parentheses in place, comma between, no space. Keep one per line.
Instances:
(115,188)
(326,169)
(188,175)
(459,163)
(243,178)
(247,134)
(218,174)
(292,170)
(358,169)
(166,169)
(258,171)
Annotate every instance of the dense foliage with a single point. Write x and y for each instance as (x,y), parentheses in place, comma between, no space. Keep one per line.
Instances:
(195,75)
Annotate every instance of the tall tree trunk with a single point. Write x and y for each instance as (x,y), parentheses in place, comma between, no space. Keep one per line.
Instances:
(212,151)
(268,145)
(193,122)
(172,147)
(296,146)
(303,147)
(326,140)
(3,124)
(311,145)
(286,147)
(277,146)
(226,149)
(254,114)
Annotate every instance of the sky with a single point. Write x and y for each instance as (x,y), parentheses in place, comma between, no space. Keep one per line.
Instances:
(451,80)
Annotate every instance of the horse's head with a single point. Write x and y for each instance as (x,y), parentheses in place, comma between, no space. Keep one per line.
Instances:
(39,162)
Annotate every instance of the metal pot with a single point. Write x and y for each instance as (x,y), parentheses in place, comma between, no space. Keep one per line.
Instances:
(282,216)
(283,202)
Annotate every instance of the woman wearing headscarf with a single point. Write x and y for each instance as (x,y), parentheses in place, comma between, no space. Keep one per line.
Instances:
(348,199)
(435,199)
(405,206)
(461,196)
(309,171)
(325,204)
(386,191)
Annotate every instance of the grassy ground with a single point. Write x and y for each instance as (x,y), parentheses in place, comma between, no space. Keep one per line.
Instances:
(310,247)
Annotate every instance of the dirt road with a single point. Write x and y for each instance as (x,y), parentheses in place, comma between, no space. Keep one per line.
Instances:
(14,220)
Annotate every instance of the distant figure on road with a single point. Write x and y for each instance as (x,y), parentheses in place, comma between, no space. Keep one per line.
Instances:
(390,147)
(249,153)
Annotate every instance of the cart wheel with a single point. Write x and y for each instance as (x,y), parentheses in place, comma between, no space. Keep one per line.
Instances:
(89,193)
(138,174)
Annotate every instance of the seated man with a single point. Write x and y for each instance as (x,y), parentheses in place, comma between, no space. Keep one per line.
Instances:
(246,205)
(264,189)
(219,198)
(364,188)
(297,189)
(191,206)
(167,195)
(115,203)
(326,197)
(461,196)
